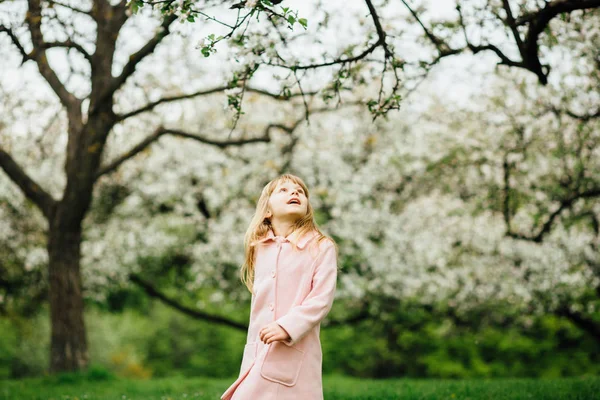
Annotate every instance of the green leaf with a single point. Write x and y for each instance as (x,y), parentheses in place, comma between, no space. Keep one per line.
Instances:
(136,5)
(291,19)
(303,22)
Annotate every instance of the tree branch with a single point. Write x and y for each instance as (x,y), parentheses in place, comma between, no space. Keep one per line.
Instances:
(586,324)
(556,7)
(150,106)
(200,315)
(28,186)
(15,40)
(197,314)
(535,22)
(34,21)
(510,22)
(69,44)
(504,60)
(360,316)
(79,10)
(564,204)
(583,117)
(111,167)
(442,47)
(266,137)
(380,42)
(138,56)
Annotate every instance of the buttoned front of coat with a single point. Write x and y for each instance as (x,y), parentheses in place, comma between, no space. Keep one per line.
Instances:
(296,289)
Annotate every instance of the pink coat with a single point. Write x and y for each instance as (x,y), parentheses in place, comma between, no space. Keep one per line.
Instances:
(296,289)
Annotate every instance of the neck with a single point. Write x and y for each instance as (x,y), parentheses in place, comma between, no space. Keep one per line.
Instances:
(282,228)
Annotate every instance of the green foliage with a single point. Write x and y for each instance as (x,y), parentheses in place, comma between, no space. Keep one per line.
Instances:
(415,343)
(8,344)
(409,342)
(24,346)
(135,5)
(180,346)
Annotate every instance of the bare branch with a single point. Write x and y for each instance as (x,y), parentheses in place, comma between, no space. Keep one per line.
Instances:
(194,313)
(510,22)
(506,193)
(442,47)
(556,7)
(564,205)
(583,117)
(504,60)
(111,167)
(28,186)
(137,57)
(584,323)
(362,315)
(150,106)
(70,7)
(380,32)
(344,60)
(535,23)
(70,44)
(164,131)
(34,21)
(15,40)
(223,144)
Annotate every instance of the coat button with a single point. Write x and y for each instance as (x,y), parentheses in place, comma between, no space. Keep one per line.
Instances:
(271,306)
(273,273)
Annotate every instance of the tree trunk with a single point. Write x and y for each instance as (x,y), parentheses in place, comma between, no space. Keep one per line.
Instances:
(69,350)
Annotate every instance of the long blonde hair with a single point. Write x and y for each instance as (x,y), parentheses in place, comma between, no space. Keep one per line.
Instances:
(260,226)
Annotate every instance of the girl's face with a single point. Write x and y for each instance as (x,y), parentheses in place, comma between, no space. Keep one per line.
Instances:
(282,205)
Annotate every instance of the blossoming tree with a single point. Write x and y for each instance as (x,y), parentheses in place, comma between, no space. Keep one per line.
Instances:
(102,92)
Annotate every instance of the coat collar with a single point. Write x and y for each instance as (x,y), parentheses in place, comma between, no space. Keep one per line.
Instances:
(301,242)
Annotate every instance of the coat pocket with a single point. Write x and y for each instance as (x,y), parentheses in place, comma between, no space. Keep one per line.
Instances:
(249,355)
(282,363)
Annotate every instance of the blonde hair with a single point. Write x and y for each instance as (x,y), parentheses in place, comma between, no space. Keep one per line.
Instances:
(260,226)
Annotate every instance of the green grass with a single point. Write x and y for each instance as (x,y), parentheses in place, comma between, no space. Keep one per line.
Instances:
(99,387)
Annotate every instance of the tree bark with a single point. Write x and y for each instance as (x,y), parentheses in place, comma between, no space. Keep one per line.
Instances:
(69,350)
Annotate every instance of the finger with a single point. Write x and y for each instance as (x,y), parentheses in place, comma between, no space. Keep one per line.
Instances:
(263,331)
(266,334)
(269,337)
(275,337)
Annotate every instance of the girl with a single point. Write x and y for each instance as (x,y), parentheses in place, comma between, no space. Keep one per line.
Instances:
(291,271)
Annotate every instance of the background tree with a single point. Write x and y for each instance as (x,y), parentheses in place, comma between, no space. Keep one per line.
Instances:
(92,114)
(99,107)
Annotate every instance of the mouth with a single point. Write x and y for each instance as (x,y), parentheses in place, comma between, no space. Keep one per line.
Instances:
(294,201)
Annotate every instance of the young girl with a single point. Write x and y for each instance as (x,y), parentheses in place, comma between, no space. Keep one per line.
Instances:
(291,271)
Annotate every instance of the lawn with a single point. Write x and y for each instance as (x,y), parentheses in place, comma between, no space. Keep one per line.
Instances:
(68,387)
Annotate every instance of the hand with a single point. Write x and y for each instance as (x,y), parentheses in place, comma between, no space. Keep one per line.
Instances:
(273,332)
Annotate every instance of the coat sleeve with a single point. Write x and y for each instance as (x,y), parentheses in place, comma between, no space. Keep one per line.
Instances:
(315,307)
